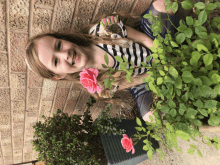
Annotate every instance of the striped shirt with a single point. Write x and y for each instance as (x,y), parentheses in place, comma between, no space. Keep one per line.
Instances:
(136,52)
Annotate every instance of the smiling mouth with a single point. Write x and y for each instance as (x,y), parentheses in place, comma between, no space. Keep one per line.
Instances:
(74,58)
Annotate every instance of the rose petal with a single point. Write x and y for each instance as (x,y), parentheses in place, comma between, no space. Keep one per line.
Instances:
(133,150)
(94,71)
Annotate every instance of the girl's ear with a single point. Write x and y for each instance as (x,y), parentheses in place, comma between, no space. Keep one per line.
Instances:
(59,77)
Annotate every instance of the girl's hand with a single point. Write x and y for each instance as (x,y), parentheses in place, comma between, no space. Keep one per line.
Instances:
(105,93)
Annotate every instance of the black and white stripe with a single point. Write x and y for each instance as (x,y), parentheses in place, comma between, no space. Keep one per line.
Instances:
(136,53)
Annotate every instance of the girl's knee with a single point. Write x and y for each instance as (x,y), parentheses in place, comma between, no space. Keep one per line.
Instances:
(146,117)
(159,5)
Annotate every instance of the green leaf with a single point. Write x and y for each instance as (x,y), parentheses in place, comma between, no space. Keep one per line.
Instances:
(167,7)
(217,89)
(201,47)
(195,58)
(206,138)
(172,104)
(148,58)
(202,17)
(165,109)
(173,112)
(185,97)
(207,59)
(182,108)
(166,68)
(138,128)
(189,20)
(197,82)
(128,77)
(197,123)
(182,135)
(178,83)
(106,58)
(200,5)
(107,82)
(215,78)
(118,58)
(191,113)
(173,71)
(145,147)
(180,38)
(206,91)
(202,35)
(150,154)
(174,44)
(216,145)
(148,78)
(161,73)
(200,29)
(216,42)
(124,58)
(211,104)
(182,28)
(184,63)
(187,76)
(205,80)
(138,121)
(159,81)
(211,6)
(213,120)
(188,33)
(192,146)
(215,139)
(209,143)
(199,153)
(156,43)
(104,66)
(198,103)
(169,127)
(152,87)
(174,7)
(187,4)
(151,118)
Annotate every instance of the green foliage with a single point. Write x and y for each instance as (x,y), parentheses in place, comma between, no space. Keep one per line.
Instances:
(73,139)
(184,77)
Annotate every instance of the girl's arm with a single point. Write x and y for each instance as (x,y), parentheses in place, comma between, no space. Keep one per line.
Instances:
(123,83)
(139,37)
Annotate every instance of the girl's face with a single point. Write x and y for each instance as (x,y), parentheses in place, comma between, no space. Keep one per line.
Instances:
(60,56)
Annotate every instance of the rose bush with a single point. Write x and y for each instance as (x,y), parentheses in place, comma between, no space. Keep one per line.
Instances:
(88,80)
(127,144)
(187,90)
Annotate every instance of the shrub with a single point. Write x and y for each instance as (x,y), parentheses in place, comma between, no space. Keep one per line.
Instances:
(73,139)
(184,77)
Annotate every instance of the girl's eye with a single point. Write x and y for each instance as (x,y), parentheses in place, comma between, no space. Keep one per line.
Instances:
(55,62)
(59,45)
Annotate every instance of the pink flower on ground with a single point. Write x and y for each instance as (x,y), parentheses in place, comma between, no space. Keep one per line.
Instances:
(88,79)
(127,144)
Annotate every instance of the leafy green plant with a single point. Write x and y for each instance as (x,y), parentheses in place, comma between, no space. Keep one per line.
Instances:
(184,77)
(73,139)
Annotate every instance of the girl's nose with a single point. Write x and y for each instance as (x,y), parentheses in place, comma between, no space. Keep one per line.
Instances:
(65,55)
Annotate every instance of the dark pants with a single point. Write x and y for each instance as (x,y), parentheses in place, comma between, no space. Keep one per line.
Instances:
(142,96)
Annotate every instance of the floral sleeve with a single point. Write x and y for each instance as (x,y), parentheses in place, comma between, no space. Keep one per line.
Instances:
(111,25)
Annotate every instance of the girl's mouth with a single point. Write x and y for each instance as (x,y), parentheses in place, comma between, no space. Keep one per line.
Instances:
(75,58)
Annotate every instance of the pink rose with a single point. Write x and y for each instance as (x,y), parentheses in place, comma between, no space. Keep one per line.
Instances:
(88,79)
(127,144)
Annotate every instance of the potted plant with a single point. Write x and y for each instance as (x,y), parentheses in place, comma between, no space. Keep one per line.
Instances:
(184,77)
(73,139)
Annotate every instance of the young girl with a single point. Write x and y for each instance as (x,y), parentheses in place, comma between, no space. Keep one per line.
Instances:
(63,56)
